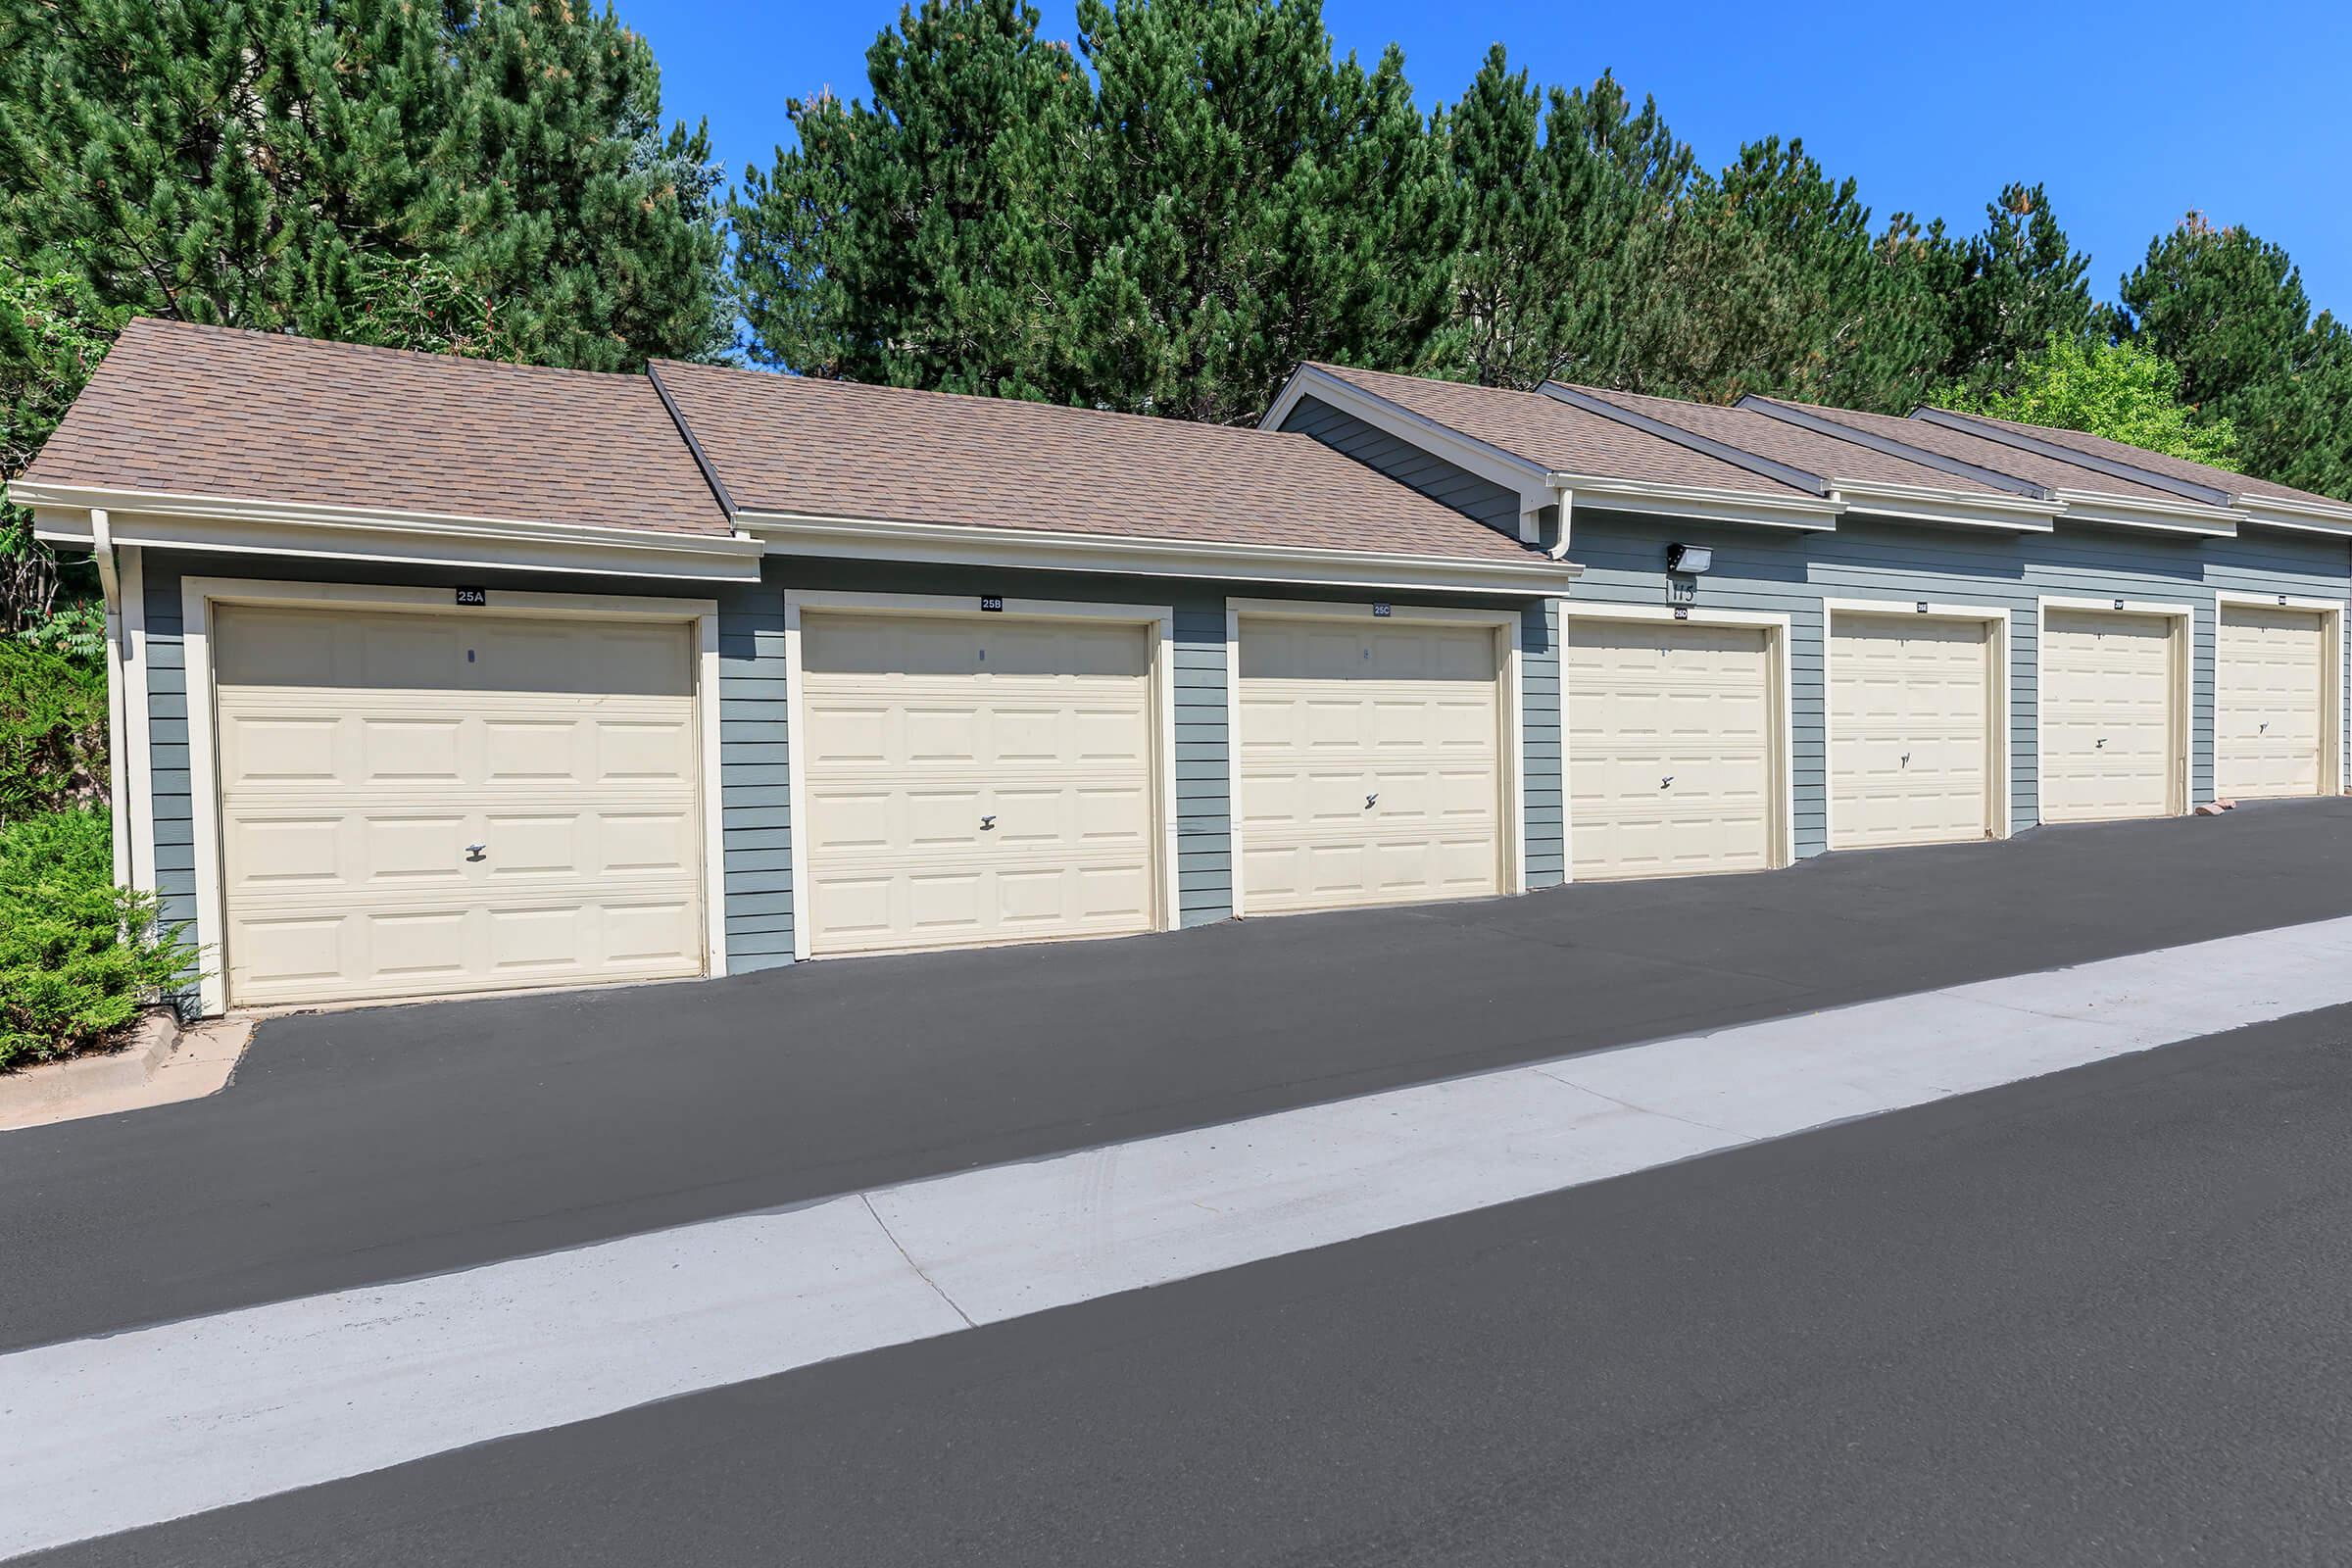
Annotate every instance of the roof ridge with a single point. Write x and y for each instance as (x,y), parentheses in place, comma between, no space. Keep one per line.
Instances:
(989,400)
(2005,433)
(1595,402)
(1824,420)
(345,347)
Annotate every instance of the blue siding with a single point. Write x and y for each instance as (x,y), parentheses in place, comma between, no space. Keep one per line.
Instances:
(1791,573)
(755,794)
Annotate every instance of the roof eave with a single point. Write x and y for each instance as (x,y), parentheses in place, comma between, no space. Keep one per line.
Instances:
(1602,493)
(1045,549)
(2295,516)
(254,526)
(2102,509)
(1932,506)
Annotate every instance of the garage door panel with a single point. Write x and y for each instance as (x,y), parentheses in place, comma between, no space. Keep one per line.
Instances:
(1671,756)
(1910,712)
(972,781)
(1370,764)
(348,802)
(2107,717)
(2271,699)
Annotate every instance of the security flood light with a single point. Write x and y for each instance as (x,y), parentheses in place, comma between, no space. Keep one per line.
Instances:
(1693,558)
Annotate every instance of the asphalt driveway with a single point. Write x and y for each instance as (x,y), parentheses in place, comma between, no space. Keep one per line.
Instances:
(376,1145)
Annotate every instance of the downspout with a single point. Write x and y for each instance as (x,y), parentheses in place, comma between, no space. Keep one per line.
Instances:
(1565,499)
(117,777)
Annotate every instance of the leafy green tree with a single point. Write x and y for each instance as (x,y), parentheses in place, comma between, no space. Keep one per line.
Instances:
(2229,311)
(2117,390)
(258,163)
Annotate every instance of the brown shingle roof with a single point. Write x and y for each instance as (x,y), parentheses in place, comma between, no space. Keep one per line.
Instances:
(837,449)
(209,411)
(2100,446)
(1824,456)
(1558,437)
(2052,474)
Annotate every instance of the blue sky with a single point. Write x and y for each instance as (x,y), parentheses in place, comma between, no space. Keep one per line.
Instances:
(2130,115)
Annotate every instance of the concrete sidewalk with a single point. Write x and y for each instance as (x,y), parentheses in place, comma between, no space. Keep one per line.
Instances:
(370,1145)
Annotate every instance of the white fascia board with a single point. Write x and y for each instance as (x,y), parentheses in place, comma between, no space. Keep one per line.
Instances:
(355,533)
(2295,516)
(1596,493)
(1043,550)
(2153,516)
(1957,509)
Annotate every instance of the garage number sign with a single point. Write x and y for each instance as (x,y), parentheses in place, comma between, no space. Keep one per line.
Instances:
(1382,611)
(473,597)
(991,602)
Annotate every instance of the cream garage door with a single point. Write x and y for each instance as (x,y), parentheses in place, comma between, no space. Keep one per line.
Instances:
(2108,731)
(1673,758)
(363,756)
(1370,764)
(975,780)
(1911,743)
(2270,701)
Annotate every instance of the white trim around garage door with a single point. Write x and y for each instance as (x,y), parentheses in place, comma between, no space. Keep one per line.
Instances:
(2184,662)
(2001,795)
(2333,757)
(1511,854)
(198,595)
(1159,619)
(1783,693)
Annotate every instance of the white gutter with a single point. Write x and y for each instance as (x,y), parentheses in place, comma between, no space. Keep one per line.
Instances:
(1935,505)
(1054,550)
(2299,516)
(246,526)
(1704,503)
(2097,507)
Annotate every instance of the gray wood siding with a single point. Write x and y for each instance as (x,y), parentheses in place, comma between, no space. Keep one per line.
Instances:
(1440,481)
(1785,573)
(1539,715)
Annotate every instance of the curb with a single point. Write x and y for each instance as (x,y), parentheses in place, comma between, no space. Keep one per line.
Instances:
(162,1065)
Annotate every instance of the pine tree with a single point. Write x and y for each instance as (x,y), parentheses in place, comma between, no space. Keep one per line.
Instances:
(1554,201)
(1221,200)
(2007,291)
(1255,202)
(256,162)
(2229,309)
(929,238)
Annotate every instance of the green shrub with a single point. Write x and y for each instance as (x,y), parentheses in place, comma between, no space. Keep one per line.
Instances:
(78,956)
(52,731)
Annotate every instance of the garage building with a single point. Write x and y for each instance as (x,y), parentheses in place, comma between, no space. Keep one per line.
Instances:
(1802,629)
(434,676)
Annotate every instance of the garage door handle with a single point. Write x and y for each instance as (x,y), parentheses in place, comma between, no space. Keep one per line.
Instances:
(2099,745)
(1369,801)
(1667,782)
(477,851)
(987,822)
